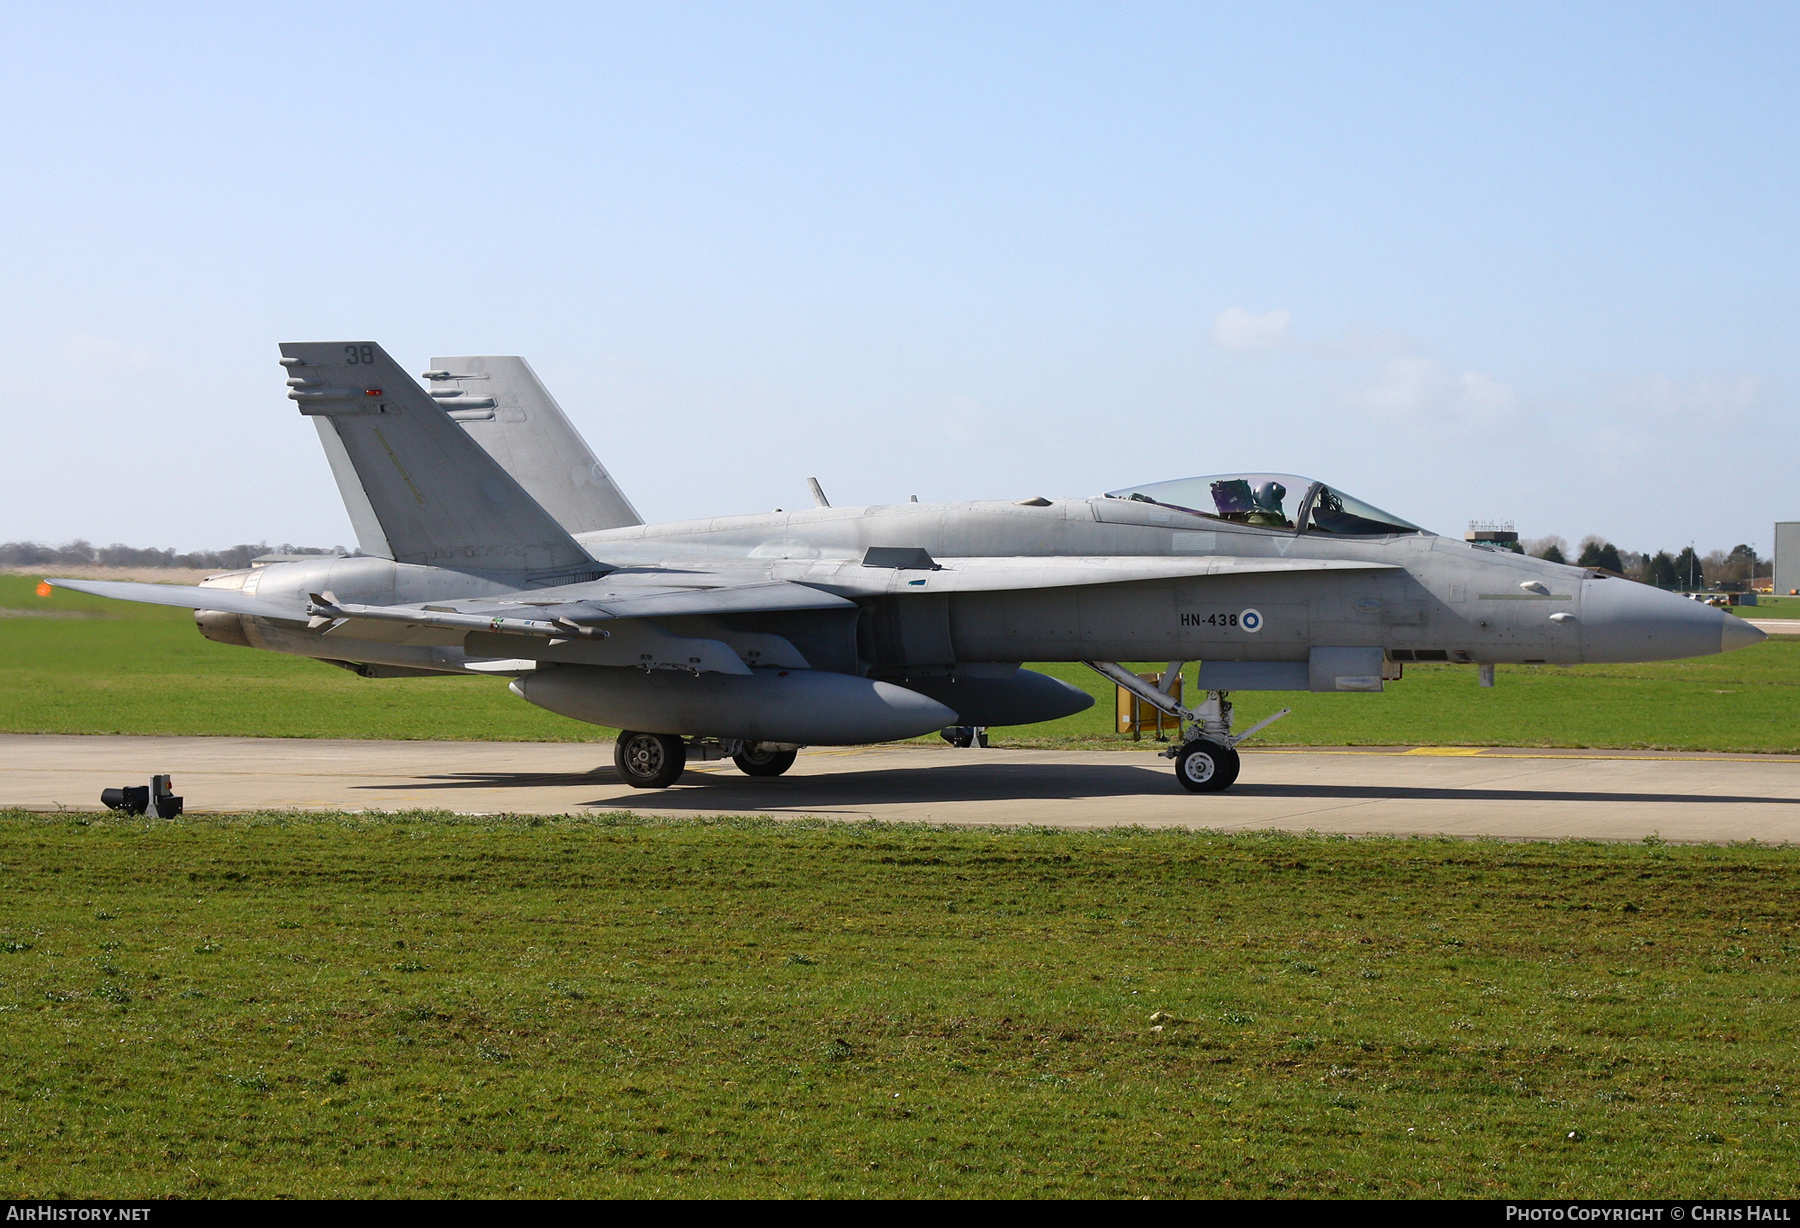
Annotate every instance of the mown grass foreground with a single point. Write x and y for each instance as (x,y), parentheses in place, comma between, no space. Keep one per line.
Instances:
(430,1005)
(71,663)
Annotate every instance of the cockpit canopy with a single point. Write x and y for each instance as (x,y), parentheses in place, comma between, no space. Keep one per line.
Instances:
(1271,501)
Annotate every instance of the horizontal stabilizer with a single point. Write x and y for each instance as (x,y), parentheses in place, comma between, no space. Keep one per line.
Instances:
(187,597)
(439,498)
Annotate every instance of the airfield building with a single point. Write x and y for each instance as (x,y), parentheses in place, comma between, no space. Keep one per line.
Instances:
(1787,555)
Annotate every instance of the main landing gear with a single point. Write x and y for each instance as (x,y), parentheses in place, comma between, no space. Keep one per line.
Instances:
(1206,758)
(649,760)
(657,760)
(761,759)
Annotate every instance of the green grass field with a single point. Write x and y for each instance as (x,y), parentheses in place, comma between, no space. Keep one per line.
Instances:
(608,1005)
(1771,607)
(80,664)
(319,1005)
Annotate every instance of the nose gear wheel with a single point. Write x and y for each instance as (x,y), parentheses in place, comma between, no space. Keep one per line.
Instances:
(1205,766)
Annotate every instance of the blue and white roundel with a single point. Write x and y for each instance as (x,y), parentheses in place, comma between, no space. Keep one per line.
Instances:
(1250,620)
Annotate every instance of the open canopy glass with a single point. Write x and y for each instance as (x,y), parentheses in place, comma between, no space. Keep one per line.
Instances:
(1271,501)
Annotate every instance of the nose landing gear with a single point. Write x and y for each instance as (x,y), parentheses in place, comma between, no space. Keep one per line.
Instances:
(1205,766)
(1206,758)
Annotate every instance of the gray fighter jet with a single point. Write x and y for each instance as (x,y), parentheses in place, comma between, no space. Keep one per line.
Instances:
(493,542)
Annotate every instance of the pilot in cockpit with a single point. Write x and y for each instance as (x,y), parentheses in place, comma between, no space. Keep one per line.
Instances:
(1237,500)
(1268,497)
(1260,499)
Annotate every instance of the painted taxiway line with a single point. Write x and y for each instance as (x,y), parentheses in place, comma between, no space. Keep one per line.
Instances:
(1500,792)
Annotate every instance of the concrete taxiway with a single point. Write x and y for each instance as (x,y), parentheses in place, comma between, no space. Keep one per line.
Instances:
(1776,626)
(1514,794)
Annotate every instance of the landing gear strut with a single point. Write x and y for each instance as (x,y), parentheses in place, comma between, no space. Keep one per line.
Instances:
(1206,758)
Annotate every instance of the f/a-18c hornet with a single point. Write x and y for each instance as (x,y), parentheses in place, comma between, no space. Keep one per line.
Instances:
(493,542)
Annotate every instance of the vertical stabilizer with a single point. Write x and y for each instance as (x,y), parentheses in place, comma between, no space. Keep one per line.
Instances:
(369,537)
(435,495)
(504,407)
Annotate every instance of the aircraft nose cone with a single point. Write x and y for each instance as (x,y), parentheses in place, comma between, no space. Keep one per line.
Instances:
(1622,620)
(1737,633)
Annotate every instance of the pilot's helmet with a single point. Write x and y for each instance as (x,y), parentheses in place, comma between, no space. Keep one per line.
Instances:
(1269,496)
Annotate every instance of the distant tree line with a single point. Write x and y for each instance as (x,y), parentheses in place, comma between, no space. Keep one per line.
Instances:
(79,553)
(1683,570)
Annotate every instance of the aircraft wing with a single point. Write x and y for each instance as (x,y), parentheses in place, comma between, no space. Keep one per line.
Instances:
(596,622)
(636,595)
(666,594)
(607,621)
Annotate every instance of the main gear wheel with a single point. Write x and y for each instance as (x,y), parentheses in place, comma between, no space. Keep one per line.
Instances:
(649,760)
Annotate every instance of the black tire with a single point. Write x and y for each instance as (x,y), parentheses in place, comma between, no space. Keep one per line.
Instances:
(649,760)
(960,736)
(1204,766)
(755,760)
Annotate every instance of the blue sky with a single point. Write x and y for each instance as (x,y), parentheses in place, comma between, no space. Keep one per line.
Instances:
(1514,261)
